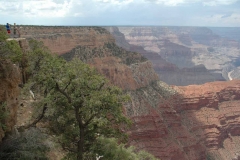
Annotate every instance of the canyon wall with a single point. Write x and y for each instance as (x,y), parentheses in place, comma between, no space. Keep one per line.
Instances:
(187,47)
(9,92)
(179,71)
(61,40)
(195,122)
(189,123)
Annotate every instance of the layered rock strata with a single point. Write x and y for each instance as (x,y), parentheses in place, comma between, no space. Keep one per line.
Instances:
(193,122)
(187,47)
(168,72)
(63,39)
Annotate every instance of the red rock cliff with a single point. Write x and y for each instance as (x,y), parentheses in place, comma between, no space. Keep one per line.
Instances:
(195,122)
(61,40)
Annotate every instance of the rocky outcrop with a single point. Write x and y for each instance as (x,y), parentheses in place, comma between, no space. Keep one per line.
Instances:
(61,40)
(9,81)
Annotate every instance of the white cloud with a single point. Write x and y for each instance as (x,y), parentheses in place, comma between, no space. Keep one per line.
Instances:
(168,2)
(204,2)
(221,20)
(79,14)
(63,8)
(39,8)
(116,2)
(125,12)
(94,8)
(218,2)
(59,8)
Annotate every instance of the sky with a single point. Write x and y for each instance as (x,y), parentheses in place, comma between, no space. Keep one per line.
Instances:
(214,13)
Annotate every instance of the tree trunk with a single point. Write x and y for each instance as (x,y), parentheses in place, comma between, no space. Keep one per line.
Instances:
(80,144)
(39,118)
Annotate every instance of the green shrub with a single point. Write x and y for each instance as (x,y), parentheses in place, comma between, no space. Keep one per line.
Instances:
(110,149)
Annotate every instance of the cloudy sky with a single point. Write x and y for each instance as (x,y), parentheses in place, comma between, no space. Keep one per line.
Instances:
(224,13)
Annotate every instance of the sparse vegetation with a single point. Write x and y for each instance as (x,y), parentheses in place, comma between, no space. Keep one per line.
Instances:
(126,56)
(87,53)
(100,29)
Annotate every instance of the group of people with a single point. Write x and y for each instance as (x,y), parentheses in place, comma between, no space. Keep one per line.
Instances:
(14,30)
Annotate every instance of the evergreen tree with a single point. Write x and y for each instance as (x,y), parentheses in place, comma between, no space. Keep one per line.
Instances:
(83,109)
(81,103)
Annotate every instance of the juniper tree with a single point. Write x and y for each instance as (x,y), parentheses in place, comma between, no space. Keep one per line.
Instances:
(84,110)
(81,103)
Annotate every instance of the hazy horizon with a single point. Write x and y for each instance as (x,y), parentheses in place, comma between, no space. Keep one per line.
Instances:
(116,25)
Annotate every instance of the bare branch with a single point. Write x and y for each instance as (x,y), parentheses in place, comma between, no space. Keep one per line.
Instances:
(67,85)
(40,117)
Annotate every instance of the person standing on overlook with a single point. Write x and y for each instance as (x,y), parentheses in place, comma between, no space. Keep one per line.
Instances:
(8,28)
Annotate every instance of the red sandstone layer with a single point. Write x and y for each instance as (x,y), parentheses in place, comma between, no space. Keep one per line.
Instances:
(61,40)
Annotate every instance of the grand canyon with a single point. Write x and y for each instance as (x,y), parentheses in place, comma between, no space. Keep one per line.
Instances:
(183,83)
